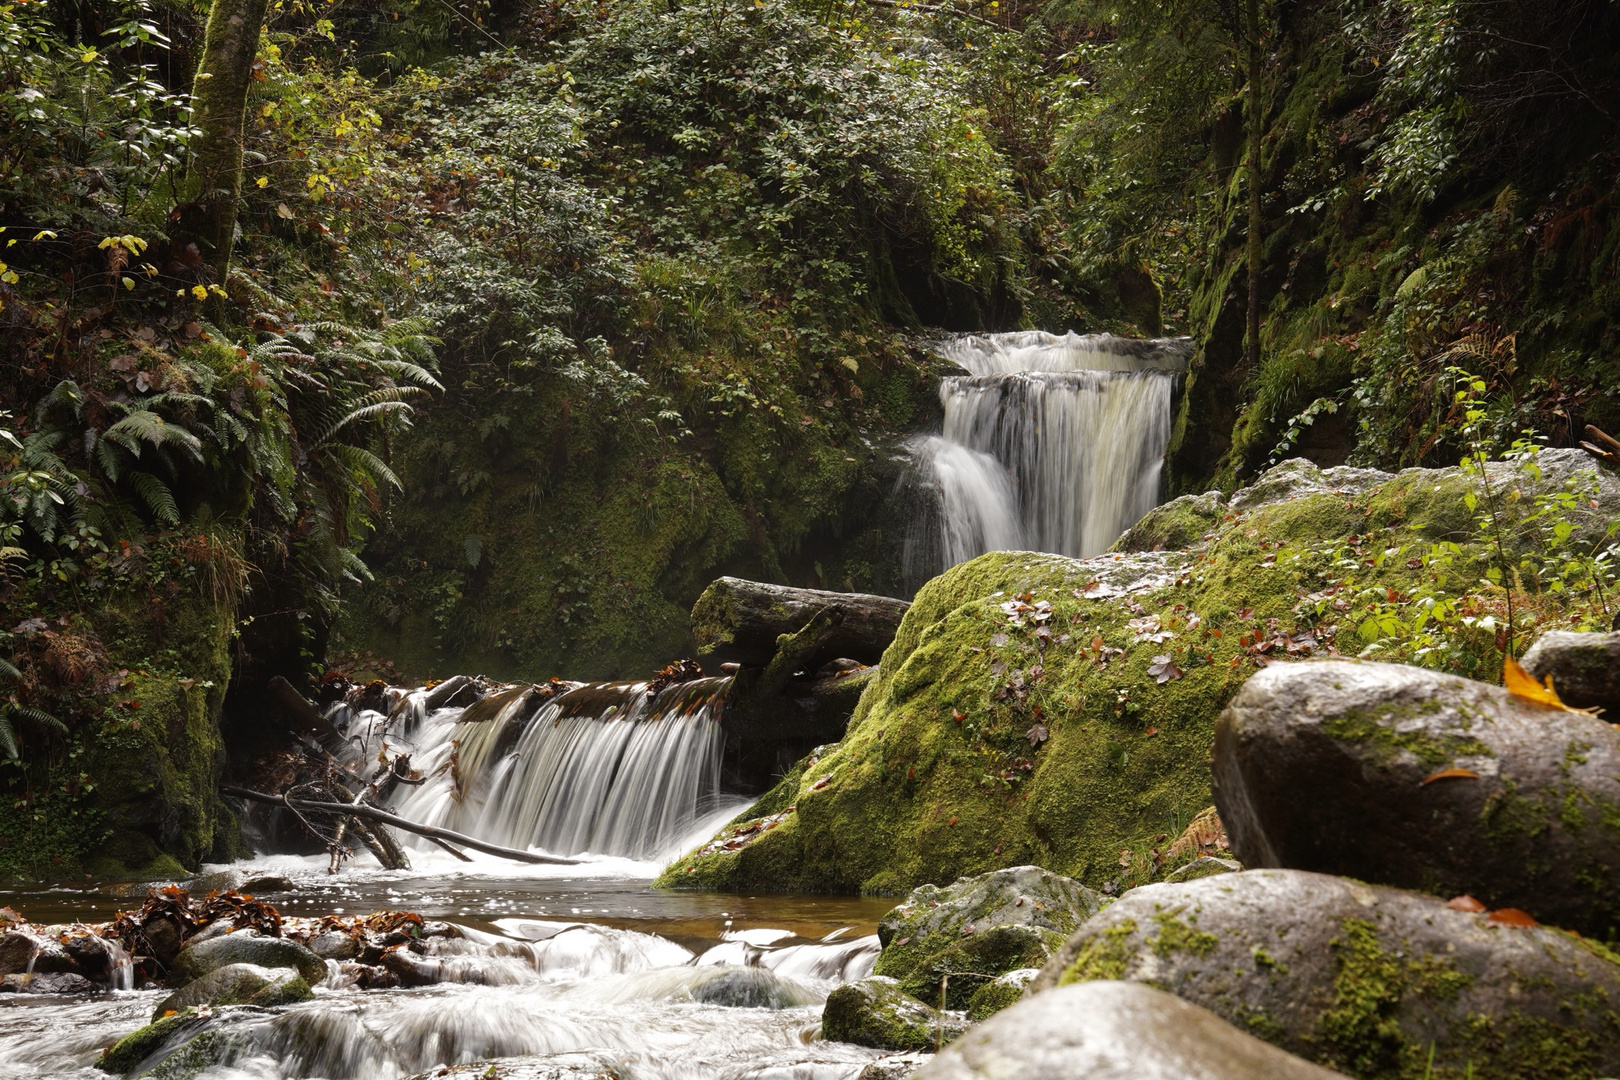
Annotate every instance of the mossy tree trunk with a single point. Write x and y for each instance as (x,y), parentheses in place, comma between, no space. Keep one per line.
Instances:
(219,113)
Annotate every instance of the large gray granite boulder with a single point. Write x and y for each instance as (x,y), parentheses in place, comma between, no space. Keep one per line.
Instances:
(1409,777)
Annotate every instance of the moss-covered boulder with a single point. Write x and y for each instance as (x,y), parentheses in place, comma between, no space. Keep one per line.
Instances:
(875,1012)
(246,947)
(1113,1031)
(952,941)
(1409,777)
(999,993)
(126,1056)
(1362,978)
(1035,709)
(237,984)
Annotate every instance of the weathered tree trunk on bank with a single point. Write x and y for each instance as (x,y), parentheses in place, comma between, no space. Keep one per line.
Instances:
(737,621)
(219,113)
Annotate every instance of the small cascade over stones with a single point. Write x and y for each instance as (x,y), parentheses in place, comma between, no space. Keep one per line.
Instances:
(1049,444)
(625,769)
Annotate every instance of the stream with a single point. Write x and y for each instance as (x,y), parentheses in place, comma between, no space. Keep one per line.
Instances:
(585,972)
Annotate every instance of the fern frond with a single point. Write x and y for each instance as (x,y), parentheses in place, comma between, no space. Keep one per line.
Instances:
(354,568)
(8,737)
(364,461)
(9,670)
(156,496)
(376,404)
(145,425)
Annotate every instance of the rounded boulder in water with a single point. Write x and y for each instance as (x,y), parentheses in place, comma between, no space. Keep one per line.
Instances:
(966,934)
(752,988)
(1363,978)
(1113,1031)
(246,947)
(1414,778)
(875,1012)
(237,984)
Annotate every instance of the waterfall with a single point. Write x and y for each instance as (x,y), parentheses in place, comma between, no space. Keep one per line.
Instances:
(607,769)
(1049,443)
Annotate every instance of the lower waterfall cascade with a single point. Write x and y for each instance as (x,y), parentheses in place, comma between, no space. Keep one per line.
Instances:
(1049,443)
(618,769)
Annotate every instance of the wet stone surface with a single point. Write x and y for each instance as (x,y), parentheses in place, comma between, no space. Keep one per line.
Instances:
(1363,978)
(1409,777)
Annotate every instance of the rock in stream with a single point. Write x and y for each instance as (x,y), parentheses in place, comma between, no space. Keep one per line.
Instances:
(1362,978)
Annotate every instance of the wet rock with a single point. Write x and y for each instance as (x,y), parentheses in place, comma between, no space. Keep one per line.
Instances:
(22,951)
(238,984)
(161,939)
(49,982)
(1585,668)
(1202,867)
(999,993)
(1362,978)
(752,988)
(875,1012)
(964,935)
(1113,1031)
(266,883)
(1409,777)
(334,945)
(411,969)
(127,1055)
(246,947)
(895,1067)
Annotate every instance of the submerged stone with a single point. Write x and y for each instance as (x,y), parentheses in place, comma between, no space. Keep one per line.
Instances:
(1405,776)
(238,984)
(752,988)
(875,1012)
(1363,978)
(246,947)
(1113,1031)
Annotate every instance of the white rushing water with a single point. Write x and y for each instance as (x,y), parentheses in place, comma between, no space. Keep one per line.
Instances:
(606,770)
(1049,444)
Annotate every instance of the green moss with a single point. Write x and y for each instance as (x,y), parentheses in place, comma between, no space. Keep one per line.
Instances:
(973,962)
(124,1055)
(1362,1032)
(1105,956)
(875,1013)
(991,998)
(1378,730)
(1175,936)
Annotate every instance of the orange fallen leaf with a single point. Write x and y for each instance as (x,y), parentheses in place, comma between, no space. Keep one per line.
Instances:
(1465,903)
(1510,916)
(952,821)
(1449,774)
(1521,684)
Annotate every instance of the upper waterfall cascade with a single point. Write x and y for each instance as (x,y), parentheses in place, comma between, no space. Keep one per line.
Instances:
(1049,443)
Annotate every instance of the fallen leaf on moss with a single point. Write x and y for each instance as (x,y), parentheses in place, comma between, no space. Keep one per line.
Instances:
(1465,903)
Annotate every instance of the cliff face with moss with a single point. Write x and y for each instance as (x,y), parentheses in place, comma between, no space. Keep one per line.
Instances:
(1059,712)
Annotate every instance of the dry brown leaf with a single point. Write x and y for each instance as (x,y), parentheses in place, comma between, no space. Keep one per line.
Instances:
(1510,916)
(1450,774)
(1465,903)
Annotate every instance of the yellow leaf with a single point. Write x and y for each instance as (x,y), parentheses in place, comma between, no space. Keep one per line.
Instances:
(199,292)
(129,282)
(263,181)
(1521,684)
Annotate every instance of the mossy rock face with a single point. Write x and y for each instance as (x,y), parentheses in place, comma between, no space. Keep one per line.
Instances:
(128,1053)
(999,993)
(246,947)
(238,984)
(875,1012)
(1363,978)
(964,935)
(1039,709)
(1113,1029)
(1414,778)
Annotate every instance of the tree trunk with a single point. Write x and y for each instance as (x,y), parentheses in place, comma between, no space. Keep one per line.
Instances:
(1255,122)
(219,113)
(737,621)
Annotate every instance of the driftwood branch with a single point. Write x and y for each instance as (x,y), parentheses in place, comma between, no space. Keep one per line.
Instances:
(741,621)
(382,817)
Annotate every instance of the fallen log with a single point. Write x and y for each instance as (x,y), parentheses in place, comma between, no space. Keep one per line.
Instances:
(383,817)
(738,621)
(303,718)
